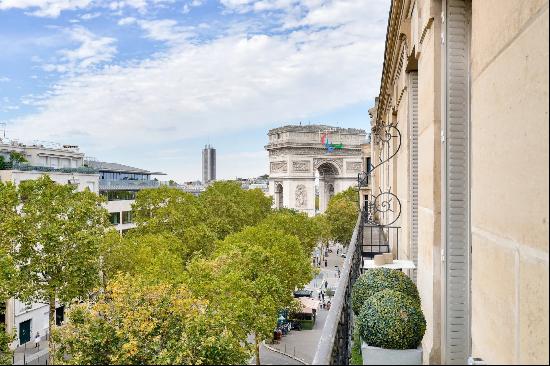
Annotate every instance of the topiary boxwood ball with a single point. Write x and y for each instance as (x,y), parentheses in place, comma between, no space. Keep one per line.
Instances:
(392,320)
(378,279)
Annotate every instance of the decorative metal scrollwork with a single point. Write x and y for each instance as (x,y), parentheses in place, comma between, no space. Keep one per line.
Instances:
(363,180)
(383,136)
(382,209)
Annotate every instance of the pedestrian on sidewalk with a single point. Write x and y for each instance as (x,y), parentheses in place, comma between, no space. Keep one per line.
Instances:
(326,263)
(37,340)
(326,284)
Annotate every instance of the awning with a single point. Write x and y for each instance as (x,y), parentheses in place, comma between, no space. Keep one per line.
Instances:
(308,305)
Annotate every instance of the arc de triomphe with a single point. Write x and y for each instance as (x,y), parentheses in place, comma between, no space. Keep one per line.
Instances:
(296,153)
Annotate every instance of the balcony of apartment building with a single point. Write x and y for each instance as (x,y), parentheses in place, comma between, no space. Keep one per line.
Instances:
(375,233)
(81,177)
(127,184)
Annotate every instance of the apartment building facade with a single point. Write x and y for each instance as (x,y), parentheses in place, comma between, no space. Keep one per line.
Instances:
(465,82)
(119,185)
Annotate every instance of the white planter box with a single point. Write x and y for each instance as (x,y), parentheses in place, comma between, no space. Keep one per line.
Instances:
(382,356)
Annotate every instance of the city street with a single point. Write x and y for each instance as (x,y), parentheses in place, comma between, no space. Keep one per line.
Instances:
(303,344)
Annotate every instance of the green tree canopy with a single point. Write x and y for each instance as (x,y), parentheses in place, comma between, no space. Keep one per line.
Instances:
(155,257)
(322,227)
(292,222)
(57,249)
(174,213)
(252,277)
(136,322)
(166,209)
(10,225)
(342,214)
(229,208)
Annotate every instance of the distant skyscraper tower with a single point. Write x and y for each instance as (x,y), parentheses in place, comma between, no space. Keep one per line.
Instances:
(208,164)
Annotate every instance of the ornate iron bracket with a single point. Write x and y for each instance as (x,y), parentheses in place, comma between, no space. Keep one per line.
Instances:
(383,135)
(380,205)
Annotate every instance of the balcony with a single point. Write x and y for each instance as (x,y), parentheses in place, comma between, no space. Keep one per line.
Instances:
(46,169)
(368,239)
(112,185)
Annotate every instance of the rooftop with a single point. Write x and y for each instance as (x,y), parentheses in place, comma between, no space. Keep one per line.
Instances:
(103,166)
(316,128)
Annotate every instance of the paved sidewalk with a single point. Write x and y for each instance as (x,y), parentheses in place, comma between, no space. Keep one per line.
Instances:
(268,357)
(31,355)
(303,344)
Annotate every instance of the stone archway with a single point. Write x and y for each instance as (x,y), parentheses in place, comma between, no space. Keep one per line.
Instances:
(328,174)
(297,153)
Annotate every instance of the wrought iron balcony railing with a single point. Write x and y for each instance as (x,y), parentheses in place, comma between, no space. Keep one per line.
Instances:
(334,347)
(107,185)
(37,168)
(369,238)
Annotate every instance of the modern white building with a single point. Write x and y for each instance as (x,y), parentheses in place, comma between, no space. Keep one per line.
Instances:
(119,184)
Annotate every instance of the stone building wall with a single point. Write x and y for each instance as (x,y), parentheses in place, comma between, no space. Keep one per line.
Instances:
(508,185)
(509,168)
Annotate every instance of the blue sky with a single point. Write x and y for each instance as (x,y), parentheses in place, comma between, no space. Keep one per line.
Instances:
(149,82)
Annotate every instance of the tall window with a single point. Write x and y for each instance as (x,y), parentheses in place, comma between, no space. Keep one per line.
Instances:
(127,217)
(119,195)
(114,218)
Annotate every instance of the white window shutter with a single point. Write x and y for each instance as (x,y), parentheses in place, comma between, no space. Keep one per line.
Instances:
(413,176)
(457,186)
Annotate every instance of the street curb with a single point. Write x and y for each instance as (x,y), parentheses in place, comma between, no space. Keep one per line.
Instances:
(33,357)
(284,354)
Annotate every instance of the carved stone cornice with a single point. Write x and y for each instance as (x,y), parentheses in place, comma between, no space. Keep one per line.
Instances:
(426,29)
(314,152)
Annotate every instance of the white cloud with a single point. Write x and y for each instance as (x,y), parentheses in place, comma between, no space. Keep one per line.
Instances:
(193,4)
(243,6)
(165,30)
(231,83)
(45,8)
(4,79)
(89,16)
(53,8)
(127,20)
(92,51)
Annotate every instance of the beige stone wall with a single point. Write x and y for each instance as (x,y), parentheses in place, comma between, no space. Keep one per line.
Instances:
(424,18)
(429,183)
(509,170)
(509,188)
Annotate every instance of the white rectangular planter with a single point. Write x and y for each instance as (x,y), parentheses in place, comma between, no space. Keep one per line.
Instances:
(382,356)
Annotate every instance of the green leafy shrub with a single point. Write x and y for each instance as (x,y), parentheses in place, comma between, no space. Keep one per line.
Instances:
(392,320)
(356,356)
(378,279)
